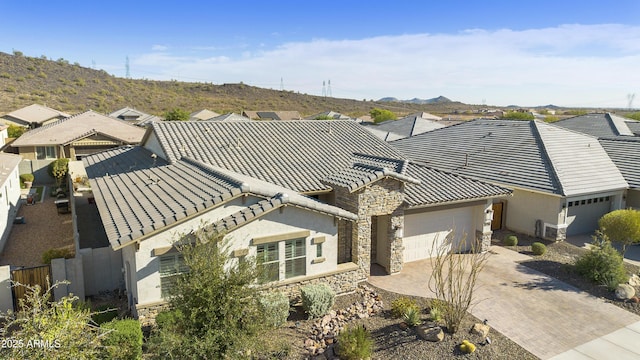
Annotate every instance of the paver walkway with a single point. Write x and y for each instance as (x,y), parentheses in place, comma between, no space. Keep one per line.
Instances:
(543,315)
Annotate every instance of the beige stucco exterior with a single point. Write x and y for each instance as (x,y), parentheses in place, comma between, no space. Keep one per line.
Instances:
(633,199)
(526,207)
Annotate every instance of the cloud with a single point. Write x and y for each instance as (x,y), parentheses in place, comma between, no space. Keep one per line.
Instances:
(159,48)
(570,65)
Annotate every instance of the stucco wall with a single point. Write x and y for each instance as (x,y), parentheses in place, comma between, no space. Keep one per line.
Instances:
(525,207)
(9,204)
(633,199)
(152,144)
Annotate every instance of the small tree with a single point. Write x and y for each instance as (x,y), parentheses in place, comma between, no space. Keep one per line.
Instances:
(58,170)
(518,115)
(215,308)
(380,115)
(453,279)
(15,131)
(621,226)
(177,115)
(63,330)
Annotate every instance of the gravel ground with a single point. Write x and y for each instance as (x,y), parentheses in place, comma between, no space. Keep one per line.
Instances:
(558,262)
(394,341)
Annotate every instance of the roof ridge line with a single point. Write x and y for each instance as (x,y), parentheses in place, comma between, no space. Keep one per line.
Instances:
(543,148)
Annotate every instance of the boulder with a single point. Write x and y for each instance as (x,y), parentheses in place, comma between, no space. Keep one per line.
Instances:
(625,292)
(434,334)
(480,329)
(634,280)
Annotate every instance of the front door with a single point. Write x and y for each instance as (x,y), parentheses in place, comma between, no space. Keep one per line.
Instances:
(496,223)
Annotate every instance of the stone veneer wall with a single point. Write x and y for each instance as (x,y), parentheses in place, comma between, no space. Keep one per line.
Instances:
(146,314)
(383,197)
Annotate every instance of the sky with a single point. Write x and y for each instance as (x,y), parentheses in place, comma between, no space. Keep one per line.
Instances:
(527,53)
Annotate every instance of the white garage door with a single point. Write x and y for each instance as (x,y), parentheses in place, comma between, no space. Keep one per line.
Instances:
(583,215)
(423,231)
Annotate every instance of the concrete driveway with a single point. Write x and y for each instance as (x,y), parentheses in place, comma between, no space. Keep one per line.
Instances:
(543,315)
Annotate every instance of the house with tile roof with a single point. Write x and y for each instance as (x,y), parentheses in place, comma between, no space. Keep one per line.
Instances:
(599,125)
(272,115)
(204,114)
(407,126)
(9,194)
(134,116)
(323,200)
(33,116)
(563,180)
(623,152)
(331,115)
(229,117)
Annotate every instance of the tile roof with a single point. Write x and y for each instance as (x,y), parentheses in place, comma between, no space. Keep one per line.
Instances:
(330,114)
(624,153)
(137,194)
(634,126)
(438,187)
(597,124)
(272,115)
(229,117)
(8,162)
(142,117)
(406,127)
(37,114)
(203,114)
(528,154)
(78,126)
(366,169)
(297,155)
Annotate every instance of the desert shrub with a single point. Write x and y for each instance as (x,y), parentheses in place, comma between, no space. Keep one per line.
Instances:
(467,347)
(510,240)
(538,248)
(602,264)
(412,316)
(166,319)
(51,254)
(104,314)
(355,343)
(401,305)
(435,310)
(317,299)
(275,306)
(26,177)
(124,341)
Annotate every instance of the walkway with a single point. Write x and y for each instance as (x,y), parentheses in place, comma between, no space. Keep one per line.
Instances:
(543,315)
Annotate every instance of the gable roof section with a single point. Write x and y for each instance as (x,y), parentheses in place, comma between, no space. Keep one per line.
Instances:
(366,169)
(527,154)
(203,114)
(438,187)
(73,128)
(229,117)
(272,115)
(624,153)
(36,114)
(297,155)
(597,124)
(154,194)
(407,126)
(142,117)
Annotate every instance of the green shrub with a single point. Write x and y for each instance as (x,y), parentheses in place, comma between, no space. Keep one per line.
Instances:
(435,311)
(125,339)
(317,300)
(354,344)
(104,314)
(538,248)
(412,317)
(51,254)
(401,305)
(603,265)
(26,177)
(275,306)
(510,240)
(169,318)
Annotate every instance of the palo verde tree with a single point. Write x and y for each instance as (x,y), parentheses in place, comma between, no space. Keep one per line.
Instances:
(380,115)
(177,115)
(214,307)
(453,278)
(621,226)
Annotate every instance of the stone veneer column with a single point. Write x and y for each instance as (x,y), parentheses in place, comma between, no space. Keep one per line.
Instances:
(485,235)
(396,247)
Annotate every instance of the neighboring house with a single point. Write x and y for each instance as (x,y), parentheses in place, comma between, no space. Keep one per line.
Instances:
(203,114)
(634,126)
(321,201)
(229,117)
(272,115)
(624,153)
(598,125)
(331,115)
(77,136)
(33,116)
(4,135)
(9,194)
(563,180)
(405,127)
(134,116)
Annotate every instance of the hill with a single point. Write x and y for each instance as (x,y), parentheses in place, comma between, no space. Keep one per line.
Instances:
(73,88)
(438,100)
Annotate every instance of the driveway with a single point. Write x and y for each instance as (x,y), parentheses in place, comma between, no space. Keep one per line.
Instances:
(543,315)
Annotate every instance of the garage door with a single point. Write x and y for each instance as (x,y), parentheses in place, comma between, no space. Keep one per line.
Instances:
(583,215)
(423,231)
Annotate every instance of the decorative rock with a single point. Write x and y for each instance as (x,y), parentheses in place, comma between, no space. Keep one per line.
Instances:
(634,280)
(625,292)
(480,329)
(434,334)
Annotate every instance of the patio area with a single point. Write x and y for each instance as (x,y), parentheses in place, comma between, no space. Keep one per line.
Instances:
(44,228)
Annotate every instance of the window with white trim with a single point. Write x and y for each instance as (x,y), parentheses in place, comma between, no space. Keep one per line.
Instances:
(45,152)
(295,258)
(171,265)
(267,258)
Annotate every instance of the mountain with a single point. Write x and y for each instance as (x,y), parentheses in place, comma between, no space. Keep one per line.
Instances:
(73,88)
(438,100)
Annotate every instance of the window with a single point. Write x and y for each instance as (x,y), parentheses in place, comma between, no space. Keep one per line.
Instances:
(295,258)
(171,265)
(319,250)
(45,152)
(267,258)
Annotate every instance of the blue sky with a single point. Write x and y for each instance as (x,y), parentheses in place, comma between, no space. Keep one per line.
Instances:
(568,53)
